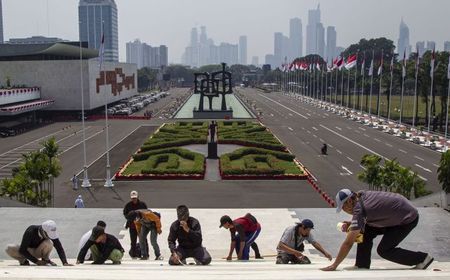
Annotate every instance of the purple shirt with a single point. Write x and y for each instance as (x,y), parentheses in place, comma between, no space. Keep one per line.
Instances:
(383,209)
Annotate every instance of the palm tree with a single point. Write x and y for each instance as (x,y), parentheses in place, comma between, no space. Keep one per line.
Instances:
(444,175)
(372,171)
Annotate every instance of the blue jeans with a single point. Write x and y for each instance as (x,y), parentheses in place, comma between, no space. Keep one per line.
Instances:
(250,237)
(153,240)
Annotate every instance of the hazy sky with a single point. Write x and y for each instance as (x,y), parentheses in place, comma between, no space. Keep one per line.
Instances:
(169,22)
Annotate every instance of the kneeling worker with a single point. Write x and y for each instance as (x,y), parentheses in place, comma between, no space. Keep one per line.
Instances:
(103,247)
(290,248)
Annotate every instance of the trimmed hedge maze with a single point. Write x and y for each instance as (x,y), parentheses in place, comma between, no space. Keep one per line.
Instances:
(161,156)
(265,158)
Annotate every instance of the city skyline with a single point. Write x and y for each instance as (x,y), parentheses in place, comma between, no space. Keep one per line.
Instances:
(429,26)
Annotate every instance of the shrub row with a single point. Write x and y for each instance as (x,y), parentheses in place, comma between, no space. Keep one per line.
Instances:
(175,143)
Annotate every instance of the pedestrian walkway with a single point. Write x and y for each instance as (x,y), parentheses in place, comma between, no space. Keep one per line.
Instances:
(212,170)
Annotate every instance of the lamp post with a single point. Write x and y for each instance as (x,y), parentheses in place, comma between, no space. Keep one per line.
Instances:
(85,183)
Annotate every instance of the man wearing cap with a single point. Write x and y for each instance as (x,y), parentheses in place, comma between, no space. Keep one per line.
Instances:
(378,213)
(37,244)
(247,229)
(187,231)
(85,238)
(103,247)
(290,248)
(134,204)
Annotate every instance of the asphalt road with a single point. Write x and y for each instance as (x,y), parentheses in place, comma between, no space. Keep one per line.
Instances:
(304,128)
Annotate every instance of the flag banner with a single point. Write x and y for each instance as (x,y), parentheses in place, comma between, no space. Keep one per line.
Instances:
(102,48)
(363,66)
(371,68)
(380,69)
(351,62)
(404,65)
(448,68)
(318,66)
(432,64)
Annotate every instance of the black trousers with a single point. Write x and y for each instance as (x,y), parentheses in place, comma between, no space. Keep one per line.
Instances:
(133,238)
(200,254)
(387,249)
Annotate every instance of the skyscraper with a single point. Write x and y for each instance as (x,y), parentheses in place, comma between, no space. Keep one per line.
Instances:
(296,38)
(331,43)
(431,45)
(243,50)
(320,37)
(255,60)
(420,47)
(311,31)
(446,46)
(144,55)
(135,53)
(1,23)
(403,39)
(91,14)
(278,49)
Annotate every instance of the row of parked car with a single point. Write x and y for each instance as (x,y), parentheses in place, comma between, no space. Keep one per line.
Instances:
(136,103)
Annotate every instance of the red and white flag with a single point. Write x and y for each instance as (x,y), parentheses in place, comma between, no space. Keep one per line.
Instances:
(363,65)
(433,58)
(380,68)
(339,63)
(102,47)
(404,65)
(318,66)
(351,62)
(371,68)
(448,68)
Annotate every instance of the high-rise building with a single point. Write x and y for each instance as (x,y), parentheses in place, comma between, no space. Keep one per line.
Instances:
(420,47)
(255,60)
(311,31)
(243,50)
(285,49)
(135,53)
(431,45)
(320,37)
(91,15)
(403,40)
(296,38)
(331,43)
(144,55)
(271,60)
(228,53)
(278,49)
(446,46)
(1,23)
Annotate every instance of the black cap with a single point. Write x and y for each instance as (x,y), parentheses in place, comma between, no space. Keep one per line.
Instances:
(307,223)
(101,224)
(131,216)
(96,232)
(225,219)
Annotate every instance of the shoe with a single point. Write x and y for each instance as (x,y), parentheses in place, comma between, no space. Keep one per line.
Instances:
(159,258)
(259,257)
(50,263)
(25,263)
(426,263)
(117,262)
(143,258)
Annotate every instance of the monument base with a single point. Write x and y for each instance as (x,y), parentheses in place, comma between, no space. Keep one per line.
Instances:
(228,114)
(212,150)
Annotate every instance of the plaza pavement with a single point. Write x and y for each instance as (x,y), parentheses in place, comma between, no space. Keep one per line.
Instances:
(431,235)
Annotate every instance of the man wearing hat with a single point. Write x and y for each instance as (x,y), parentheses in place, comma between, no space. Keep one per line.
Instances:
(290,248)
(37,244)
(187,231)
(243,231)
(378,213)
(103,247)
(134,204)
(85,238)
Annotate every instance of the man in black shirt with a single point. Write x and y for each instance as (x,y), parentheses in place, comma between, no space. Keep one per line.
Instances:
(188,232)
(103,247)
(134,204)
(37,244)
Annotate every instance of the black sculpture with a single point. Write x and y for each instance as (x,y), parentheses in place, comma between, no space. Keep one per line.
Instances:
(211,85)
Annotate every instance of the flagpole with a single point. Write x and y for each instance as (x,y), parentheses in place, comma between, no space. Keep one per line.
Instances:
(342,88)
(371,85)
(446,111)
(403,87)
(379,89)
(85,183)
(336,89)
(354,86)
(363,70)
(390,88)
(108,182)
(326,84)
(348,88)
(431,92)
(415,91)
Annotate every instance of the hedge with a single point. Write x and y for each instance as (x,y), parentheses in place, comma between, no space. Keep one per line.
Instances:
(167,155)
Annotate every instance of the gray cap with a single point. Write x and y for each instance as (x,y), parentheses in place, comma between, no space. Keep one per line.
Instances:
(341,197)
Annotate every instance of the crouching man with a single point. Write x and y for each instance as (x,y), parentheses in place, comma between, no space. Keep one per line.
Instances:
(103,247)
(37,244)
(187,231)
(290,248)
